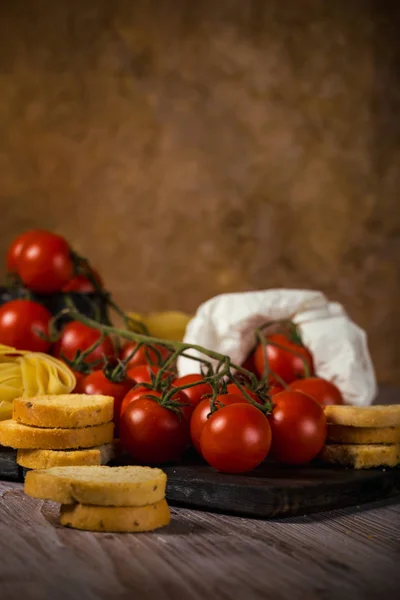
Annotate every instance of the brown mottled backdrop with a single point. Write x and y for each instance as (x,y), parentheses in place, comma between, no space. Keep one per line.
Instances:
(197,147)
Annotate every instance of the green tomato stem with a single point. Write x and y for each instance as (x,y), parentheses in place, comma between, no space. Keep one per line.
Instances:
(147,339)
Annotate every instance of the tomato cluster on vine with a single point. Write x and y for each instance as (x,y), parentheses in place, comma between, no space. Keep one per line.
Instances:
(42,263)
(234,418)
(232,432)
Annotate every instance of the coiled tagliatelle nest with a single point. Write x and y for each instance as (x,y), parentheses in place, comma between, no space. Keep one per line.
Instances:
(27,374)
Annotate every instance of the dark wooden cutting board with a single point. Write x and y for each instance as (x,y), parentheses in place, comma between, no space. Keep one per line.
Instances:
(269,491)
(273,490)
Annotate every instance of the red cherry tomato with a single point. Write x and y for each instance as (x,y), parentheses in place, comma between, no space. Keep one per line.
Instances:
(298,428)
(146,355)
(20,322)
(186,407)
(82,284)
(137,392)
(140,391)
(249,363)
(196,393)
(142,373)
(232,388)
(288,363)
(276,388)
(78,336)
(44,262)
(202,411)
(14,250)
(236,438)
(126,351)
(321,390)
(98,383)
(79,379)
(153,434)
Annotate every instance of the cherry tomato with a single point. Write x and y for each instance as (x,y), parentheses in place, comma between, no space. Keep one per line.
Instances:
(234,389)
(142,373)
(236,438)
(98,383)
(140,391)
(276,388)
(44,262)
(78,336)
(78,389)
(284,362)
(249,363)
(137,392)
(20,320)
(194,394)
(81,284)
(153,434)
(322,390)
(14,250)
(298,427)
(202,411)
(144,356)
(186,407)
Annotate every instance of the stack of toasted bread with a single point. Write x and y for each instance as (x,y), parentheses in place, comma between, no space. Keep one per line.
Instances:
(111,499)
(70,429)
(362,437)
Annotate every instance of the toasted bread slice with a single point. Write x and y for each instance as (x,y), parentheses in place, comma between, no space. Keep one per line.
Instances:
(121,519)
(363,435)
(66,411)
(45,459)
(16,435)
(99,486)
(364,416)
(362,456)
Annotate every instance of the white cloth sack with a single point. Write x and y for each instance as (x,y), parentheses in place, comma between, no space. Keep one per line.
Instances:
(227,322)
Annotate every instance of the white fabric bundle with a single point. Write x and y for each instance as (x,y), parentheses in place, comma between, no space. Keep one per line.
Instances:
(227,322)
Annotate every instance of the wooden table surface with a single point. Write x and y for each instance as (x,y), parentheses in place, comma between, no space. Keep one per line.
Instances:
(352,553)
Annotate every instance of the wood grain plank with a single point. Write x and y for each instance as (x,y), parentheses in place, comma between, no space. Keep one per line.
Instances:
(200,555)
(6,486)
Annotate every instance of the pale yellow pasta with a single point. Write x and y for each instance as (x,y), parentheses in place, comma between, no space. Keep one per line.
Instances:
(43,374)
(7,353)
(29,374)
(10,381)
